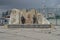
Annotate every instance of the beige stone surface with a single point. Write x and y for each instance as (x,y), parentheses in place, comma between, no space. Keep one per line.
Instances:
(15,17)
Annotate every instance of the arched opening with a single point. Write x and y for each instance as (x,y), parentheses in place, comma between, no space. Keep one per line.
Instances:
(34,19)
(22,20)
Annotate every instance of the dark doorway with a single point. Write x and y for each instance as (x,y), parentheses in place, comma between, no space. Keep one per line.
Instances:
(23,20)
(34,19)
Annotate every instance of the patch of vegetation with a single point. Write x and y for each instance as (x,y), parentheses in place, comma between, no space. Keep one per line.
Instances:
(57,16)
(51,18)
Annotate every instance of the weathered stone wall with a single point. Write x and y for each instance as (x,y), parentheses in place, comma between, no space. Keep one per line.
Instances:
(15,17)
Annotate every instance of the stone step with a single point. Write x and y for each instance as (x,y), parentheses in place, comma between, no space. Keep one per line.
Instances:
(30,26)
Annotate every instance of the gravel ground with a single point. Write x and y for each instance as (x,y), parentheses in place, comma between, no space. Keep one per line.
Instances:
(29,34)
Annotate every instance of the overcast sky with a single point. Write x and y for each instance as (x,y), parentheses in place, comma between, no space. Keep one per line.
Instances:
(6,4)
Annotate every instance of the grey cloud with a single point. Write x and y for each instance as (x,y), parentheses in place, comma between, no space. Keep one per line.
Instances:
(28,3)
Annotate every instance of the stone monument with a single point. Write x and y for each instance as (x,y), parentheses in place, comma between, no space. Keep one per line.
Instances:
(26,17)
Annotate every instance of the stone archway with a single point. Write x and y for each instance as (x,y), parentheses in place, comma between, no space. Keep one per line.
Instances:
(22,20)
(34,19)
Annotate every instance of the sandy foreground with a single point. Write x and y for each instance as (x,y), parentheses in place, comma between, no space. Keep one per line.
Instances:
(29,34)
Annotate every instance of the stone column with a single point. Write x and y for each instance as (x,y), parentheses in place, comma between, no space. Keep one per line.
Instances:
(14,17)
